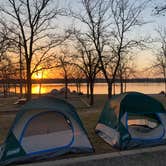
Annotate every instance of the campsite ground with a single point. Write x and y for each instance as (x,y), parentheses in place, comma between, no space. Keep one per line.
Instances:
(89,116)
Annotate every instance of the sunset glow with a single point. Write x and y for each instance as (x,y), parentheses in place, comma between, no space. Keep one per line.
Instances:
(40,75)
(36,89)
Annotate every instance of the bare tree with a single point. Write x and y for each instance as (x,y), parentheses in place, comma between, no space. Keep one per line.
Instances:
(62,60)
(108,23)
(126,16)
(160,9)
(8,71)
(78,75)
(126,70)
(34,20)
(5,43)
(160,61)
(87,61)
(5,61)
(95,16)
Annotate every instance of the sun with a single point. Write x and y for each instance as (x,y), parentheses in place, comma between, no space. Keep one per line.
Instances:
(39,75)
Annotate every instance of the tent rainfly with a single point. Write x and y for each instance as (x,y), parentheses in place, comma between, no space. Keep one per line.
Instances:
(43,128)
(132,120)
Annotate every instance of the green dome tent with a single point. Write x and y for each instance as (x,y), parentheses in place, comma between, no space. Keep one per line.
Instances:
(132,119)
(44,127)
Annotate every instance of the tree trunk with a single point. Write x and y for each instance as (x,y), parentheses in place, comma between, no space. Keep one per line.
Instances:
(87,88)
(114,86)
(121,84)
(15,89)
(105,73)
(66,86)
(79,85)
(165,85)
(91,93)
(110,84)
(20,71)
(21,84)
(125,86)
(29,82)
(40,87)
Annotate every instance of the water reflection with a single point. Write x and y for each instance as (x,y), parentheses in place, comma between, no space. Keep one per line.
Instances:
(100,88)
(39,89)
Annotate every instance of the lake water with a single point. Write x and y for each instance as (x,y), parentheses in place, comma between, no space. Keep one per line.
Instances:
(101,88)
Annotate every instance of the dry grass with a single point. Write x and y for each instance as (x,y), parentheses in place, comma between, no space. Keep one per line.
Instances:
(7,104)
(90,120)
(5,123)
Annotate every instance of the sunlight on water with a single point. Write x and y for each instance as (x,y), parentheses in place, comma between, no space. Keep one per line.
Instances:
(36,89)
(100,88)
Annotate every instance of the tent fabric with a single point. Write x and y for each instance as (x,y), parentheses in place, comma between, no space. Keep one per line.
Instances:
(115,128)
(43,128)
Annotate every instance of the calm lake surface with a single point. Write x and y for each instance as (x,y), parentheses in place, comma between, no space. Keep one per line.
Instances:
(100,88)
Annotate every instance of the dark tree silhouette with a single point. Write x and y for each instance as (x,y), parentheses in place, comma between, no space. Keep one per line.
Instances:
(160,61)
(87,61)
(108,23)
(34,20)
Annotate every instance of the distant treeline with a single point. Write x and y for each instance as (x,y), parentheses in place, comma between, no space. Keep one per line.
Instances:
(99,80)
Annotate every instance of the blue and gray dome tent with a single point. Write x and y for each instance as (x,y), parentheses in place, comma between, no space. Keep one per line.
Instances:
(132,120)
(43,128)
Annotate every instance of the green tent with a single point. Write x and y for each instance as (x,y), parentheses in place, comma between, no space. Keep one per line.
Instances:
(132,119)
(44,127)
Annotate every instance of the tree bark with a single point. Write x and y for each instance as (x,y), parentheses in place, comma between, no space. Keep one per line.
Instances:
(125,86)
(66,86)
(91,93)
(21,85)
(165,84)
(114,86)
(29,82)
(87,86)
(121,84)
(109,83)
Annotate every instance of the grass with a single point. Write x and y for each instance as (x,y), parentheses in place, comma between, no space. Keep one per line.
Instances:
(5,123)
(90,120)
(88,115)
(7,103)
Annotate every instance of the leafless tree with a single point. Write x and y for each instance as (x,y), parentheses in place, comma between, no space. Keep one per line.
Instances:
(34,20)
(95,15)
(8,71)
(5,43)
(78,75)
(160,9)
(62,60)
(160,61)
(126,70)
(5,61)
(88,61)
(126,16)
(109,23)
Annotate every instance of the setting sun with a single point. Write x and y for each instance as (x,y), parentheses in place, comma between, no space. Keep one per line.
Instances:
(40,75)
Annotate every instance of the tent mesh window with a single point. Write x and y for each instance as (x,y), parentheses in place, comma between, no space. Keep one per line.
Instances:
(143,122)
(46,131)
(47,123)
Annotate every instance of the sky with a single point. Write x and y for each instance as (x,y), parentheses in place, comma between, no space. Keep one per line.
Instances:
(143,58)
